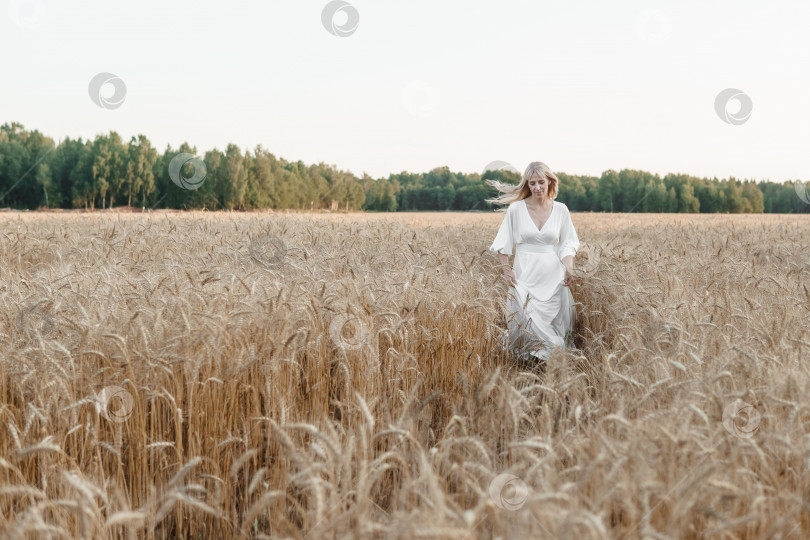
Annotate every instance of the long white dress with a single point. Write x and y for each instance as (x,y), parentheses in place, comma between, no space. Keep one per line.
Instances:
(540,310)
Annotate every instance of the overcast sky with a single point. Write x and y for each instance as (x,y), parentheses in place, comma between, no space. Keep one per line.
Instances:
(583,85)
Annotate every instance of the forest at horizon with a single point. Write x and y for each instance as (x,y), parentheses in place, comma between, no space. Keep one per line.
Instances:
(36,172)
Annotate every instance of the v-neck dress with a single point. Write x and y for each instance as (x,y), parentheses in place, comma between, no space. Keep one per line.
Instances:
(540,311)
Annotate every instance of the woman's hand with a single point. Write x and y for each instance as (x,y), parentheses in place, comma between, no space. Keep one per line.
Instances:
(568,264)
(509,276)
(569,277)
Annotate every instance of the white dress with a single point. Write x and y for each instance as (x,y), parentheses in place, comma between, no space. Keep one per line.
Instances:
(540,310)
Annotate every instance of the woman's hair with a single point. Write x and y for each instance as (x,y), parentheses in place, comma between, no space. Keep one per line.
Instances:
(511,193)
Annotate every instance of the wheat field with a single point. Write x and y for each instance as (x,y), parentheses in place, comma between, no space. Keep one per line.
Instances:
(274,375)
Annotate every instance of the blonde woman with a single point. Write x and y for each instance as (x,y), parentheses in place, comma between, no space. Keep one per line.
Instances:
(540,308)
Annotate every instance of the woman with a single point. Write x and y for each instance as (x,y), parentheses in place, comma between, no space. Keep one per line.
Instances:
(540,308)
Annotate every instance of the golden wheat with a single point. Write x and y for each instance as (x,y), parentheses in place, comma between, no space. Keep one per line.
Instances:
(314,376)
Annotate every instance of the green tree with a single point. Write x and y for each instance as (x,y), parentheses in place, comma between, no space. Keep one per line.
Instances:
(66,158)
(52,197)
(753,197)
(81,178)
(140,174)
(108,167)
(735,203)
(608,191)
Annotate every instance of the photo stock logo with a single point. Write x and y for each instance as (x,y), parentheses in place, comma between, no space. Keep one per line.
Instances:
(28,14)
(741,419)
(338,8)
(350,333)
(662,338)
(721,103)
(187,182)
(587,259)
(420,99)
(802,190)
(508,492)
(99,82)
(653,26)
(499,165)
(35,321)
(268,251)
(115,404)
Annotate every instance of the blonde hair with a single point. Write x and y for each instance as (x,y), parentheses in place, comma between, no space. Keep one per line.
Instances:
(511,193)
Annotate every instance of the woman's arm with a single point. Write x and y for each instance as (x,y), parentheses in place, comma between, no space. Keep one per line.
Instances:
(569,246)
(502,245)
(508,274)
(568,262)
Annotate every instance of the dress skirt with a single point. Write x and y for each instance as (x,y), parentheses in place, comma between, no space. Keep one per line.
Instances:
(534,329)
(540,311)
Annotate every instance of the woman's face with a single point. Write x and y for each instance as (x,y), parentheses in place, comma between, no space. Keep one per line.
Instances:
(538,187)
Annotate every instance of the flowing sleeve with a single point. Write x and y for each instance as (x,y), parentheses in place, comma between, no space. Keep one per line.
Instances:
(569,241)
(506,234)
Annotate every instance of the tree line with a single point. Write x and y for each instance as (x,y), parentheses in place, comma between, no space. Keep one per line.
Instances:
(614,191)
(107,171)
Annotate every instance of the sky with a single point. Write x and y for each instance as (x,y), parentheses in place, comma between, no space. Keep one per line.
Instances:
(584,86)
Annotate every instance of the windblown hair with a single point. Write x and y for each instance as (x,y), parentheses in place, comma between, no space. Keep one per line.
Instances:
(511,193)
